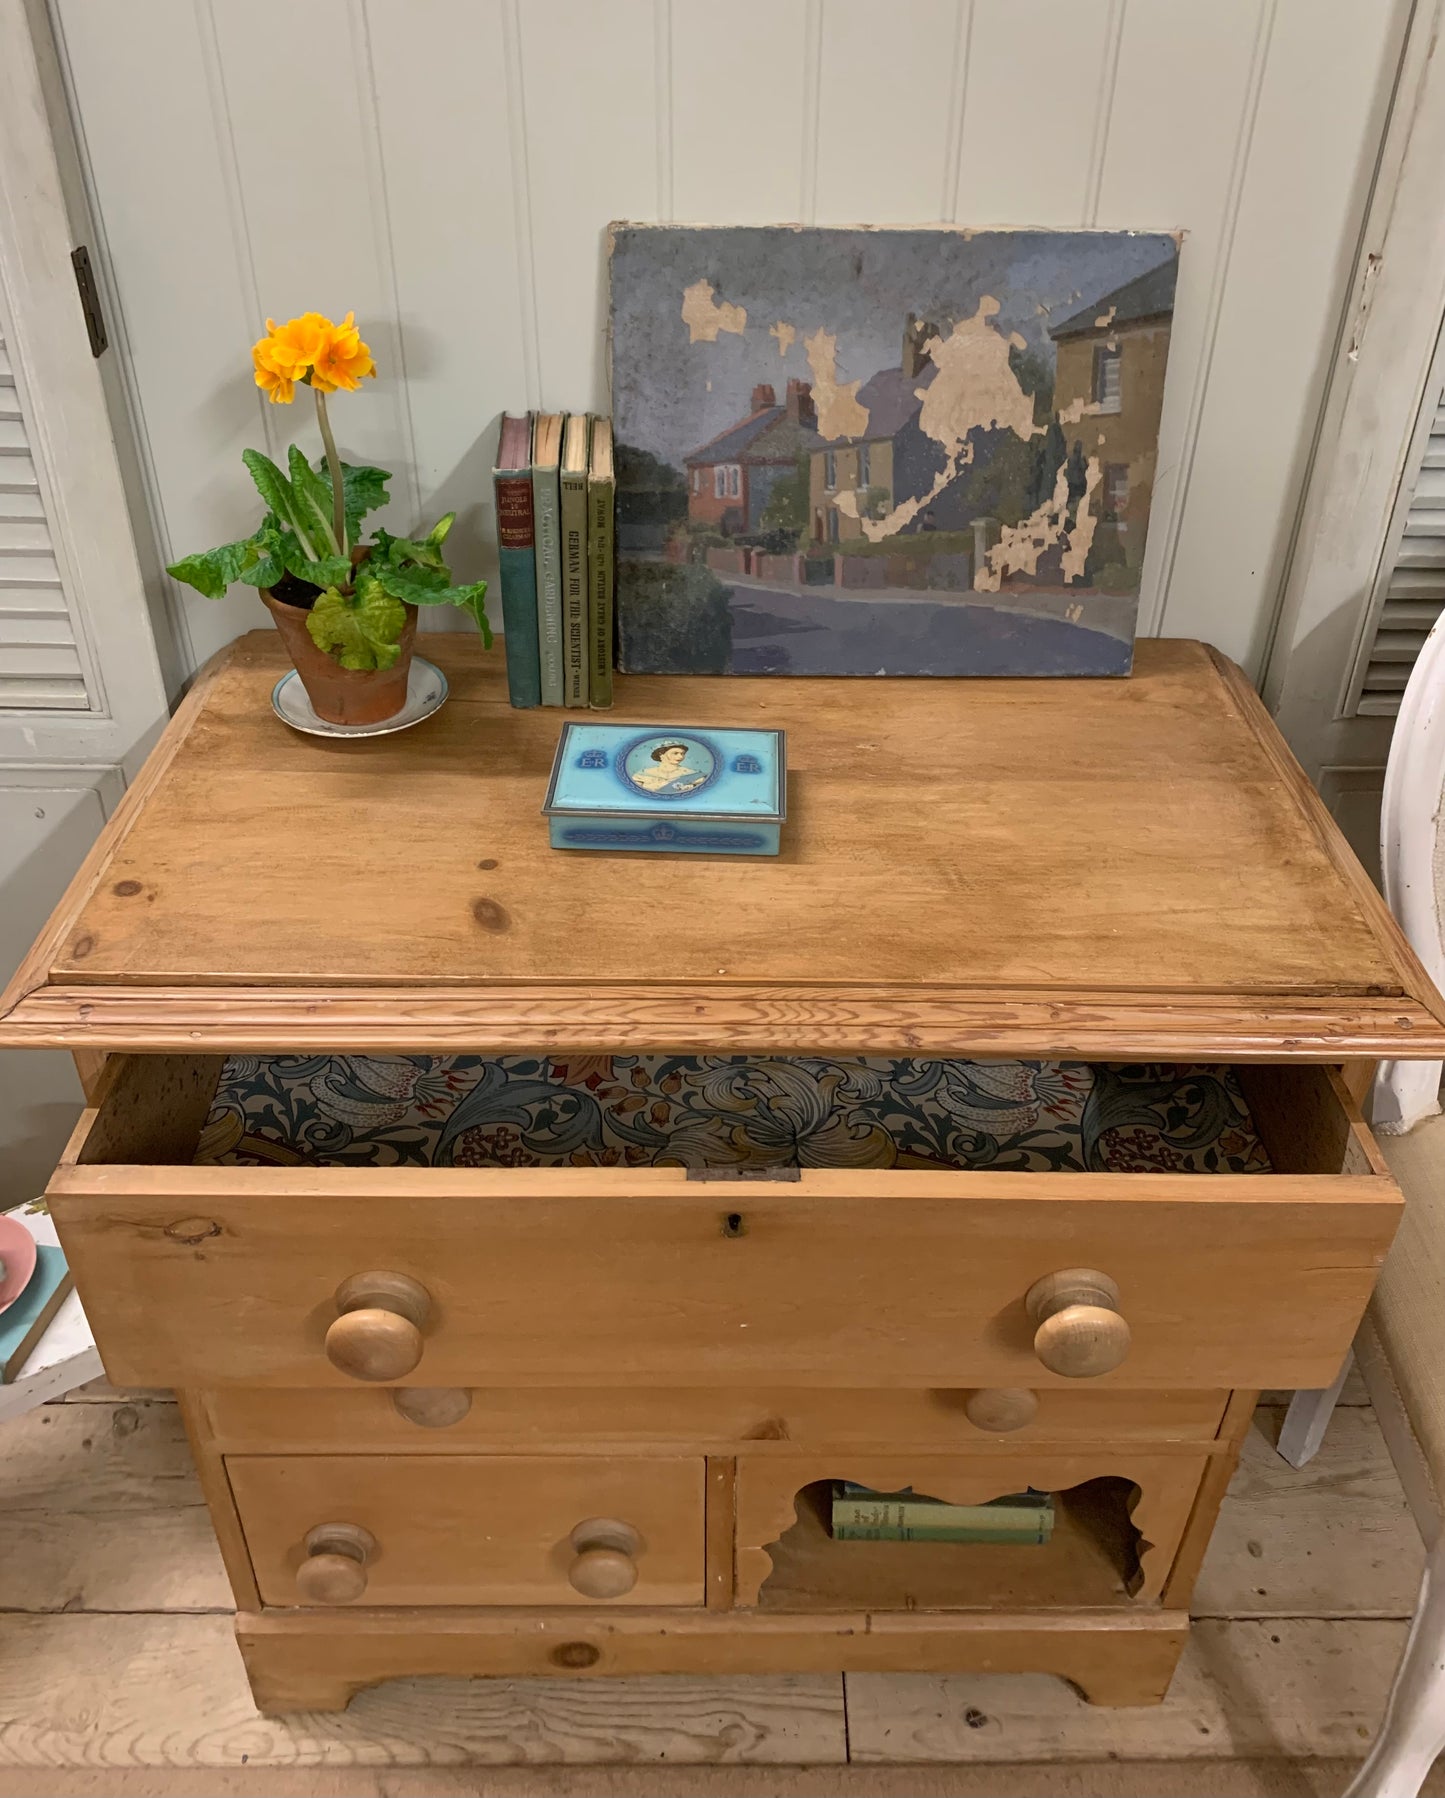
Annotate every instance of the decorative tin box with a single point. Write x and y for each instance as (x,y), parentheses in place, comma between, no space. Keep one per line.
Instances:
(667,789)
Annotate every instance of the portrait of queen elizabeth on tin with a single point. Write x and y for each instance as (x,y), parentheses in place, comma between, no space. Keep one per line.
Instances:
(668,768)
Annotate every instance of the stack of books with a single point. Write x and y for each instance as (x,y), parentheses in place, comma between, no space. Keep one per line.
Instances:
(554,486)
(861,1515)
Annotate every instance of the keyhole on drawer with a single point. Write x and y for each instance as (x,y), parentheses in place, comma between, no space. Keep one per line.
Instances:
(733,1224)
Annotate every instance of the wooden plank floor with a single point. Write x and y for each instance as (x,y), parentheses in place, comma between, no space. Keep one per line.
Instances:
(118,1672)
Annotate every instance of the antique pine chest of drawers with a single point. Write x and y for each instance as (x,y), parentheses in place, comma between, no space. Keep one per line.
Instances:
(567,1389)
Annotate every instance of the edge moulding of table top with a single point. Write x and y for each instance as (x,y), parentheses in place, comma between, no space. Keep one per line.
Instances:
(993,867)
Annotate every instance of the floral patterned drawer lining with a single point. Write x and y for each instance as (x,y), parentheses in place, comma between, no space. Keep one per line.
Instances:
(727,1111)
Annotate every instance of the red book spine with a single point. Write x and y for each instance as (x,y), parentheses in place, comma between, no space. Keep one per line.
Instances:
(514,511)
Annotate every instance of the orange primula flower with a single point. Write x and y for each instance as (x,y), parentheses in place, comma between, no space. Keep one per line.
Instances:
(276,372)
(344,360)
(311,349)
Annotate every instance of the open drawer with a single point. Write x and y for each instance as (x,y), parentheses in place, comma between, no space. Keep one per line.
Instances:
(208,1276)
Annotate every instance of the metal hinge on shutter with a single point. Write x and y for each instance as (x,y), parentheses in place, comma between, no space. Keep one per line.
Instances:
(1409,593)
(89,300)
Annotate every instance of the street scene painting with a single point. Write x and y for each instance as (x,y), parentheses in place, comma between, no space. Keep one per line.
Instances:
(922,451)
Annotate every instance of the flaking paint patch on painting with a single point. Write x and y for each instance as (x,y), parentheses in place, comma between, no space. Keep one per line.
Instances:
(786,335)
(975,388)
(705,316)
(836,403)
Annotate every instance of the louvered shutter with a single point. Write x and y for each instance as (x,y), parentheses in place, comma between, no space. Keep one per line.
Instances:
(40,667)
(1410,593)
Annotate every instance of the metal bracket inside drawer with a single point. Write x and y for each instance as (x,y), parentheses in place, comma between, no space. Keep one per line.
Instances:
(745,1173)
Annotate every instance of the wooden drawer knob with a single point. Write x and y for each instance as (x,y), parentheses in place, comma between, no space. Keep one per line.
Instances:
(1078,1331)
(605,1564)
(999,1409)
(334,1571)
(378,1334)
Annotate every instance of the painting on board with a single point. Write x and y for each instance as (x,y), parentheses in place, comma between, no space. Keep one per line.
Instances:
(887,451)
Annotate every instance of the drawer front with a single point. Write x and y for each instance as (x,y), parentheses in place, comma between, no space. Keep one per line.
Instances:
(464,1530)
(332,1277)
(1119,1517)
(448,1419)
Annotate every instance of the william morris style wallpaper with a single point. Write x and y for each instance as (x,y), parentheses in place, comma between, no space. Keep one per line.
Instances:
(917,451)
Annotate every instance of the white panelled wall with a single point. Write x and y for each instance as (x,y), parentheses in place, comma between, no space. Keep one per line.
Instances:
(446,168)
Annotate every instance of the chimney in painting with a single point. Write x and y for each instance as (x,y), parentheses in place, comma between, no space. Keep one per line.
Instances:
(916,333)
(800,407)
(763,397)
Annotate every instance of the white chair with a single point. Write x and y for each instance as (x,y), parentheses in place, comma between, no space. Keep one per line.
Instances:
(1400,1349)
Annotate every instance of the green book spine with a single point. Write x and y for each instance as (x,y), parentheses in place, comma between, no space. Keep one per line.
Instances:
(547,514)
(575,652)
(1020,1538)
(601,581)
(891,1510)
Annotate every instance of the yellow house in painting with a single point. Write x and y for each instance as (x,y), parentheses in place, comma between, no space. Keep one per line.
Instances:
(1109,393)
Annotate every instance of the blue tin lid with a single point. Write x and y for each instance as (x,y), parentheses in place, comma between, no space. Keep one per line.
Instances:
(631,770)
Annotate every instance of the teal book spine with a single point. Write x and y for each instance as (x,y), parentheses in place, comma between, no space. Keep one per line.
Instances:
(547,511)
(517,559)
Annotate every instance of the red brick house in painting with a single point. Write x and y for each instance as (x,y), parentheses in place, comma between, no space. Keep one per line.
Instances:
(730,478)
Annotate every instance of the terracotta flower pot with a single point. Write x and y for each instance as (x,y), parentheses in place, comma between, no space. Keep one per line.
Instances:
(342,695)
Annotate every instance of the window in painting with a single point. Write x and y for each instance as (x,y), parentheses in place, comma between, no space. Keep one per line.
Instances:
(735,480)
(1108,382)
(864,465)
(1116,492)
(697,480)
(830,469)
(719,482)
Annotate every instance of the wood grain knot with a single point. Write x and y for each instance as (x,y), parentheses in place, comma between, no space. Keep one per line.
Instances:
(82,947)
(489,863)
(575,1654)
(490,915)
(192,1229)
(126,889)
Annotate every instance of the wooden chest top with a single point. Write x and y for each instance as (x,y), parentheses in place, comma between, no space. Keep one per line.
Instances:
(1091,868)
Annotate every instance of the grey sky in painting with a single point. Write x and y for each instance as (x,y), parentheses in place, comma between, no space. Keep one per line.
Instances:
(857,284)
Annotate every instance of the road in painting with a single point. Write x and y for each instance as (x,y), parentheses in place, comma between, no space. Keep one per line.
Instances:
(920,451)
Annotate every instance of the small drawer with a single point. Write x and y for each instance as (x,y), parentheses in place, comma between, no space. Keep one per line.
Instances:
(335,1277)
(446,1420)
(471,1530)
(1119,1517)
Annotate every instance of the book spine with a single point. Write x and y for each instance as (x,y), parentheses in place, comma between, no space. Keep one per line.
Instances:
(547,512)
(601,580)
(883,1532)
(517,557)
(985,1518)
(575,653)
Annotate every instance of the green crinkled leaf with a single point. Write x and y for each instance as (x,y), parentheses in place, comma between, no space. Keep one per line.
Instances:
(362,630)
(363,490)
(417,588)
(272,485)
(213,570)
(321,571)
(313,504)
(270,562)
(412,554)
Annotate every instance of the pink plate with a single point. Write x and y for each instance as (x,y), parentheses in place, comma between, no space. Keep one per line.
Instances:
(17,1251)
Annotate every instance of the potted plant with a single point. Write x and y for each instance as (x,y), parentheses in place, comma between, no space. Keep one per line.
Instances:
(345,604)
